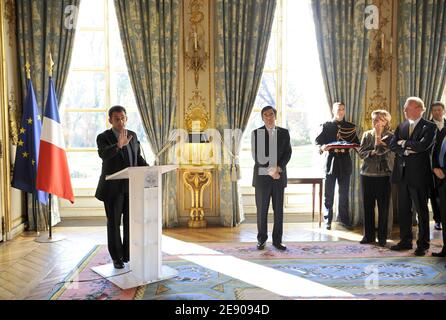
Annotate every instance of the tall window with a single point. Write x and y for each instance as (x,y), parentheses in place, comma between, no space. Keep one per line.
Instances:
(98,79)
(292,82)
(443,99)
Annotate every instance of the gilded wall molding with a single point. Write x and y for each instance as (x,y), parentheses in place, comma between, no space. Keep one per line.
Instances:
(196,57)
(380,62)
(10,18)
(13,119)
(196,113)
(5,194)
(196,46)
(197,101)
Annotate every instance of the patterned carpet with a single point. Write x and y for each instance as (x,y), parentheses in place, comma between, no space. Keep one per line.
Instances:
(366,272)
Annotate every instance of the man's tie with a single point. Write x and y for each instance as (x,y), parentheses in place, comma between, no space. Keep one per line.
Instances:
(126,152)
(442,152)
(412,125)
(271,133)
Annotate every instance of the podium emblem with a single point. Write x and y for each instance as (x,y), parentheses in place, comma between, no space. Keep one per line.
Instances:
(151,180)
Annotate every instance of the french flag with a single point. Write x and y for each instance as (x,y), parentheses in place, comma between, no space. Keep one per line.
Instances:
(53,175)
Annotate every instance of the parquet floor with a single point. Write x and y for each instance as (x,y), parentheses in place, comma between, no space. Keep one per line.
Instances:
(30,270)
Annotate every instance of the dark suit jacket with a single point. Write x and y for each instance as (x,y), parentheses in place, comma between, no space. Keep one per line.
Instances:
(329,134)
(114,160)
(437,148)
(283,155)
(414,169)
(432,120)
(436,181)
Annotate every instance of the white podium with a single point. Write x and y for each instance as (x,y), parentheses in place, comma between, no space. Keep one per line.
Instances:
(145,197)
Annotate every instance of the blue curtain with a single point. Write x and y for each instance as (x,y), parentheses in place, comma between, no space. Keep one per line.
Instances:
(44,26)
(150,31)
(243,30)
(343,44)
(421,51)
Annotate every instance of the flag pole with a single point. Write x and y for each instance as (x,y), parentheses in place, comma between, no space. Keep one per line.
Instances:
(34,196)
(50,231)
(44,238)
(35,213)
(50,237)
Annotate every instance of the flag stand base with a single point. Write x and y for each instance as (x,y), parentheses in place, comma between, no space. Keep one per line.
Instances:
(30,234)
(44,238)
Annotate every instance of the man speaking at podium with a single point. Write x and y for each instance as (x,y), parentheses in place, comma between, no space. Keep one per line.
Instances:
(118,148)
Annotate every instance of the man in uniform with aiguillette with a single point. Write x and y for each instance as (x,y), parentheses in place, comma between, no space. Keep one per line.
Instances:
(335,141)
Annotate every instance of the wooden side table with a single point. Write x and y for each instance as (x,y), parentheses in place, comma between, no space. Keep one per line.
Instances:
(314,182)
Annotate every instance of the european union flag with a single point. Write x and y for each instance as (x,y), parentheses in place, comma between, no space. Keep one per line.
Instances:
(26,160)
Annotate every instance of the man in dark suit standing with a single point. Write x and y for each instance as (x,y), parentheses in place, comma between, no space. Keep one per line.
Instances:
(437,117)
(439,165)
(412,143)
(118,148)
(271,151)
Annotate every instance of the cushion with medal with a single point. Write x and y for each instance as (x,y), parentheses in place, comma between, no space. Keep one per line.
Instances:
(342,145)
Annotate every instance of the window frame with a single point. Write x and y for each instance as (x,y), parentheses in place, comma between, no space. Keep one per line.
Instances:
(108,72)
(280,31)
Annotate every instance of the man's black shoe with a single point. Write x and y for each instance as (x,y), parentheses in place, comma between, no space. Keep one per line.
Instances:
(365,241)
(261,245)
(440,254)
(328,226)
(401,247)
(420,252)
(347,226)
(437,226)
(382,243)
(279,246)
(118,264)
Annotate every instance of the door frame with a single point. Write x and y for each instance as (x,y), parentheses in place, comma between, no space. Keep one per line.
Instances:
(5,195)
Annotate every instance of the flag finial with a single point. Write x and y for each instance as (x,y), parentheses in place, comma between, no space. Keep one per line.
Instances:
(28,70)
(51,65)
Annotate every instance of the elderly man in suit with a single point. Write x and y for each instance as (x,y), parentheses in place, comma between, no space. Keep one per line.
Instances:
(118,148)
(271,151)
(412,144)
